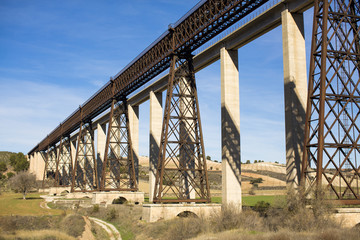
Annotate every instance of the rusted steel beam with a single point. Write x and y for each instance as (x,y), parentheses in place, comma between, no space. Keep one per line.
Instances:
(206,20)
(332,137)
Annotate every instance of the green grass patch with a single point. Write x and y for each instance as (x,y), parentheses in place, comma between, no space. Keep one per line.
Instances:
(215,199)
(252,200)
(13,204)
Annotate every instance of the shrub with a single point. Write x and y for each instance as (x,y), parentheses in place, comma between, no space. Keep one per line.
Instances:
(111,215)
(256,181)
(73,225)
(3,167)
(95,208)
(262,207)
(183,228)
(10,174)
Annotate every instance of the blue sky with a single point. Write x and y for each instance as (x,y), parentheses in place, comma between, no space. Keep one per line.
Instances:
(55,54)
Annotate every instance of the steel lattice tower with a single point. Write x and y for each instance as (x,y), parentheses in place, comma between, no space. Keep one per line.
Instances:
(64,166)
(181,174)
(331,150)
(118,171)
(84,177)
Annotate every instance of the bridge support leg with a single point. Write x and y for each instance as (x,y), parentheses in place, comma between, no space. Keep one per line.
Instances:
(100,146)
(155,136)
(295,93)
(230,128)
(39,166)
(134,131)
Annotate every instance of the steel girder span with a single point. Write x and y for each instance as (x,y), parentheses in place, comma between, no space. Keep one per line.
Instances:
(206,20)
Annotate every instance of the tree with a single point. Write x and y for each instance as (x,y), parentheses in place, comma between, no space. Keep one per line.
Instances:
(23,182)
(208,158)
(256,181)
(10,174)
(247,162)
(19,162)
(3,167)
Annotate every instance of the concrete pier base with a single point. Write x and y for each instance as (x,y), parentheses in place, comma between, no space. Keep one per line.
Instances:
(56,191)
(155,212)
(109,197)
(79,195)
(347,217)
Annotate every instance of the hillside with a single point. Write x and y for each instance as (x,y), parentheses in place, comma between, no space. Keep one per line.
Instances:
(272,174)
(5,156)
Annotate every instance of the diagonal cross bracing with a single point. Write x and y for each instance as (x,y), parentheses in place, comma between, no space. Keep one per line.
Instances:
(205,21)
(64,166)
(84,177)
(332,138)
(118,171)
(181,174)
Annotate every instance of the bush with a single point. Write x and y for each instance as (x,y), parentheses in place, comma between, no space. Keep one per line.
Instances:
(256,181)
(231,217)
(262,207)
(111,215)
(73,225)
(95,208)
(183,228)
(10,175)
(3,167)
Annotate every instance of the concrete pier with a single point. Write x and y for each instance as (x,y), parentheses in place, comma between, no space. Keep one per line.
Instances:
(109,197)
(230,128)
(155,212)
(133,113)
(295,93)
(156,119)
(101,142)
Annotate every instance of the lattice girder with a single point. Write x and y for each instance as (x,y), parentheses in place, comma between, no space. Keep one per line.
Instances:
(64,167)
(84,177)
(332,149)
(119,169)
(181,174)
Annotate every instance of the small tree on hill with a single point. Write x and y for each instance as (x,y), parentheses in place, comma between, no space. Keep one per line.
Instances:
(19,162)
(3,167)
(23,182)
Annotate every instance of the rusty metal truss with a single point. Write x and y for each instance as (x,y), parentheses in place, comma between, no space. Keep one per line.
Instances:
(84,177)
(332,150)
(206,20)
(118,171)
(181,174)
(50,157)
(64,166)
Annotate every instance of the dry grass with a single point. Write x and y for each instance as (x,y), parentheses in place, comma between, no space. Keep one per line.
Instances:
(38,235)
(290,219)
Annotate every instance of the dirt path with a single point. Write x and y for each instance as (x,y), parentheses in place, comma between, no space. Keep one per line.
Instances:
(109,228)
(44,205)
(87,234)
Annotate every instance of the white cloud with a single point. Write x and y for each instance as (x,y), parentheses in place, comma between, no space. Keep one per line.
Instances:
(29,111)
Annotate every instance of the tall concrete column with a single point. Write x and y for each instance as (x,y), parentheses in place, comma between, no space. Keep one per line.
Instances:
(156,118)
(31,159)
(101,141)
(40,166)
(295,93)
(230,127)
(187,135)
(100,147)
(133,112)
(73,142)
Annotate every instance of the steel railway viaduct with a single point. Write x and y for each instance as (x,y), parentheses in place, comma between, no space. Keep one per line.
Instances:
(178,172)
